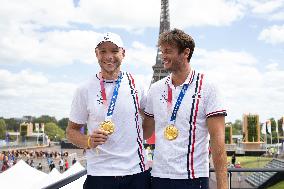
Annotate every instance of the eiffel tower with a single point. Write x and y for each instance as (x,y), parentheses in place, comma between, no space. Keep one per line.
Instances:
(158,68)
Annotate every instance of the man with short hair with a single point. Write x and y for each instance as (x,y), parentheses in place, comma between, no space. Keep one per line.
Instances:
(183,109)
(110,103)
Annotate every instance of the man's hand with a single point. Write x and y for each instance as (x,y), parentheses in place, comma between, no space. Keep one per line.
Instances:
(98,137)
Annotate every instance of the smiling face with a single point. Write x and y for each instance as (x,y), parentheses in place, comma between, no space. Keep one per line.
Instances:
(172,59)
(110,58)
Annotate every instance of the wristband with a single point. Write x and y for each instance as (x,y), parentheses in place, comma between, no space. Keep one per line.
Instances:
(89,142)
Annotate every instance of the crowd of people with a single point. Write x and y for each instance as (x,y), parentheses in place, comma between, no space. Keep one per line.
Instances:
(38,159)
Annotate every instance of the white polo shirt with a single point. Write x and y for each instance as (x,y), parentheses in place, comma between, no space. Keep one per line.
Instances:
(187,155)
(123,152)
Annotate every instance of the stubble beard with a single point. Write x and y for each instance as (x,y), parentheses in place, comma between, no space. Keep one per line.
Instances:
(111,72)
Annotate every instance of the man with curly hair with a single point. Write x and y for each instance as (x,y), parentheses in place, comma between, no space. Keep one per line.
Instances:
(185,110)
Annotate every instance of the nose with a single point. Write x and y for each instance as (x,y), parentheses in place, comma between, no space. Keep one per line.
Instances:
(109,56)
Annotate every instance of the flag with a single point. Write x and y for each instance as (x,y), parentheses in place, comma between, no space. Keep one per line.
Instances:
(263,129)
(268,126)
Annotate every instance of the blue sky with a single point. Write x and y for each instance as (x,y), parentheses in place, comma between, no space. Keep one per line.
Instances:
(47,49)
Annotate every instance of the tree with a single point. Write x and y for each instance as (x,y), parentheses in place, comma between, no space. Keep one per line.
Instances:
(280,122)
(252,128)
(45,119)
(13,124)
(228,135)
(237,127)
(53,131)
(62,123)
(2,129)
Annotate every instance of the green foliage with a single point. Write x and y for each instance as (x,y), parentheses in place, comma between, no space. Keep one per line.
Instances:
(227,135)
(53,131)
(62,123)
(13,124)
(237,127)
(273,132)
(2,129)
(45,119)
(279,185)
(252,128)
(280,121)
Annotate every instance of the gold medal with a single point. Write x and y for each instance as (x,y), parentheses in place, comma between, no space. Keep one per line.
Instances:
(107,126)
(171,132)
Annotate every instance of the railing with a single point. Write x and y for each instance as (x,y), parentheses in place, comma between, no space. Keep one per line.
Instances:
(76,176)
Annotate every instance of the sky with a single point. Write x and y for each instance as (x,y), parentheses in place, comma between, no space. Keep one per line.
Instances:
(47,49)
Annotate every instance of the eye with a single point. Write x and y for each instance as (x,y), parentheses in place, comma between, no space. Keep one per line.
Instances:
(115,51)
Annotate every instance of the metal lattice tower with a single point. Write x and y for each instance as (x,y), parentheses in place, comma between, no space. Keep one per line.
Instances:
(158,68)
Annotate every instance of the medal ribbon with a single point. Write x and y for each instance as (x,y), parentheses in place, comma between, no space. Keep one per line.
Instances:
(113,98)
(178,102)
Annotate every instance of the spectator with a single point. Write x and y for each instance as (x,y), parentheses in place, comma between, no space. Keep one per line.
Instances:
(233,159)
(39,167)
(52,165)
(61,165)
(32,163)
(66,165)
(73,161)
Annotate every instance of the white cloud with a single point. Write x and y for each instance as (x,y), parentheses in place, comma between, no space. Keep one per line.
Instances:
(267,6)
(30,93)
(52,48)
(244,87)
(139,55)
(188,13)
(265,9)
(273,34)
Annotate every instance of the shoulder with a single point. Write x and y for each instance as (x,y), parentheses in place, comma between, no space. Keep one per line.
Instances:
(138,81)
(208,82)
(159,84)
(84,86)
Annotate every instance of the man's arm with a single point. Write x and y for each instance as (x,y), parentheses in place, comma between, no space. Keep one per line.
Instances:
(148,126)
(216,127)
(74,135)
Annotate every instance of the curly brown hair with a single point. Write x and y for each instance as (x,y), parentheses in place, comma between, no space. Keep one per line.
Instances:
(178,38)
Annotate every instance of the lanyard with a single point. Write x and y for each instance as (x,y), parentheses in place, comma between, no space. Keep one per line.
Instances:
(178,102)
(113,98)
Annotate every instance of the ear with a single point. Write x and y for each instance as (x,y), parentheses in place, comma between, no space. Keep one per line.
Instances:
(123,52)
(96,51)
(186,52)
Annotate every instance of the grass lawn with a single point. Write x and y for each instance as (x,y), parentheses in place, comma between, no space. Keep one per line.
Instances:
(256,162)
(251,161)
(279,185)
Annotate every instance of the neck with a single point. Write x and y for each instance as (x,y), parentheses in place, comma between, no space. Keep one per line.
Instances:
(179,77)
(110,75)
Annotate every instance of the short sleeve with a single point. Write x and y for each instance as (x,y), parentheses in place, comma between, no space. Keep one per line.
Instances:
(213,101)
(79,113)
(149,103)
(143,98)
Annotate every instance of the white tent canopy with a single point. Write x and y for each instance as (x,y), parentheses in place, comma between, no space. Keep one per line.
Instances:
(24,176)
(21,176)
(77,167)
(49,179)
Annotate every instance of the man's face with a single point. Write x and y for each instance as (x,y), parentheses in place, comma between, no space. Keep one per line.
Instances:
(109,56)
(172,59)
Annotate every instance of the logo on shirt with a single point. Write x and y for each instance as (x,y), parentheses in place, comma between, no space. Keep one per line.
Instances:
(196,96)
(164,97)
(100,98)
